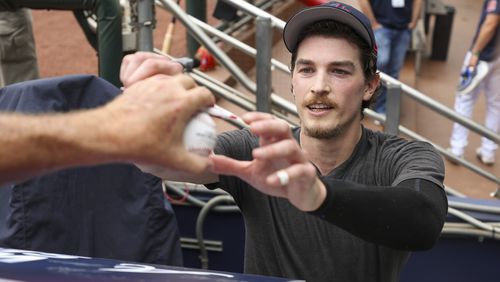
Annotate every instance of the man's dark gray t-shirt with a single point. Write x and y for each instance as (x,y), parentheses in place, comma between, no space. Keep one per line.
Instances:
(284,241)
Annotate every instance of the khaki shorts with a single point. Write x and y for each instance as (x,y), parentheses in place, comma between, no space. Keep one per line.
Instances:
(17,47)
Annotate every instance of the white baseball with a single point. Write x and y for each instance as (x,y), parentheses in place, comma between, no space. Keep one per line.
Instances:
(199,137)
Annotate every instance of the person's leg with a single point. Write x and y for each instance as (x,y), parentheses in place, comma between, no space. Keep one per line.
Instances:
(47,4)
(400,44)
(109,29)
(383,39)
(17,47)
(8,5)
(464,105)
(492,119)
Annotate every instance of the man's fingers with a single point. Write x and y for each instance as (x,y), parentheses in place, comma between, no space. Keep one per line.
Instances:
(131,62)
(185,80)
(285,149)
(149,68)
(202,97)
(137,71)
(123,68)
(266,125)
(145,65)
(256,116)
(271,129)
(297,173)
(194,163)
(193,101)
(225,165)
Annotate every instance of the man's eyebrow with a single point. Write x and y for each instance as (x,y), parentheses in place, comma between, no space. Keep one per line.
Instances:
(303,62)
(345,63)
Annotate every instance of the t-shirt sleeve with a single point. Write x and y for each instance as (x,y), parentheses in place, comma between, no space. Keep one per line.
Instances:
(413,160)
(407,217)
(492,7)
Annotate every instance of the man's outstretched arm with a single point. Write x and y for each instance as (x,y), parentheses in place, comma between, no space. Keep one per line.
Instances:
(34,144)
(145,124)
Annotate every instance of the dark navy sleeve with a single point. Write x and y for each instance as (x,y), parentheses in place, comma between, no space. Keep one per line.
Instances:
(408,216)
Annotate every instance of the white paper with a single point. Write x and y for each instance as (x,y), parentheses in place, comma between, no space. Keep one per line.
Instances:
(398,3)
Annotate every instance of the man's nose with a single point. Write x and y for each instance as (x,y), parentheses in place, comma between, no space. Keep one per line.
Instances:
(321,85)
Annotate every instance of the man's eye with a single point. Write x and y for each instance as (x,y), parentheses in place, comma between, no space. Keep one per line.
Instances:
(340,71)
(306,70)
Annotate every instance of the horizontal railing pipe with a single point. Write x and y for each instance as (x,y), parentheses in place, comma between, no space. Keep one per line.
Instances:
(247,49)
(442,109)
(256,12)
(290,108)
(199,35)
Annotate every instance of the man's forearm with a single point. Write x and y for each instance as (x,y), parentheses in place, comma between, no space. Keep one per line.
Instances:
(416,9)
(486,33)
(407,217)
(32,144)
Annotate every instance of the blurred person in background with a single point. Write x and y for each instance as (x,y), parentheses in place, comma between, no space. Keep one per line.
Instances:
(107,39)
(392,22)
(17,47)
(480,73)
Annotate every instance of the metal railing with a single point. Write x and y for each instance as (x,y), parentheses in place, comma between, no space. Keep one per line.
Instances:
(227,62)
(200,30)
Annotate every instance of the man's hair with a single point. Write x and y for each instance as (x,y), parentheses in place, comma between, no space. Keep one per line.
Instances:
(330,28)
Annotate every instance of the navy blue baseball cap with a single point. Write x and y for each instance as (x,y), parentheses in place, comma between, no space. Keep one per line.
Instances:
(335,11)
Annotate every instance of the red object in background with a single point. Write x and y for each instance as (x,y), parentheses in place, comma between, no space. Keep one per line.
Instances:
(207,61)
(313,2)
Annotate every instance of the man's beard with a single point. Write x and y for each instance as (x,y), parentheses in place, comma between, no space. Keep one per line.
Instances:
(321,133)
(317,131)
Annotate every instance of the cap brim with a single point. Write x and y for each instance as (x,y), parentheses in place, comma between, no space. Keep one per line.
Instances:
(308,16)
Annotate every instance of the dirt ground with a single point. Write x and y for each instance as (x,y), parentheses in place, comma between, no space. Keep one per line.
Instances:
(62,48)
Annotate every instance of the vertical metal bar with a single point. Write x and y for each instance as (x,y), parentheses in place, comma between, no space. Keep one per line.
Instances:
(393,108)
(197,9)
(109,40)
(146,24)
(263,38)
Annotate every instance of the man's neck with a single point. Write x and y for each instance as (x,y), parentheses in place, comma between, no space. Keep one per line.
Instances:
(327,154)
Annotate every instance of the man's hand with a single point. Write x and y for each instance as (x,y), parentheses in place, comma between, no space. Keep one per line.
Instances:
(138,66)
(376,25)
(278,151)
(470,60)
(147,121)
(412,25)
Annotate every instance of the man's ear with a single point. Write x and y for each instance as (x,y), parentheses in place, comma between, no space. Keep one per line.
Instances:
(371,86)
